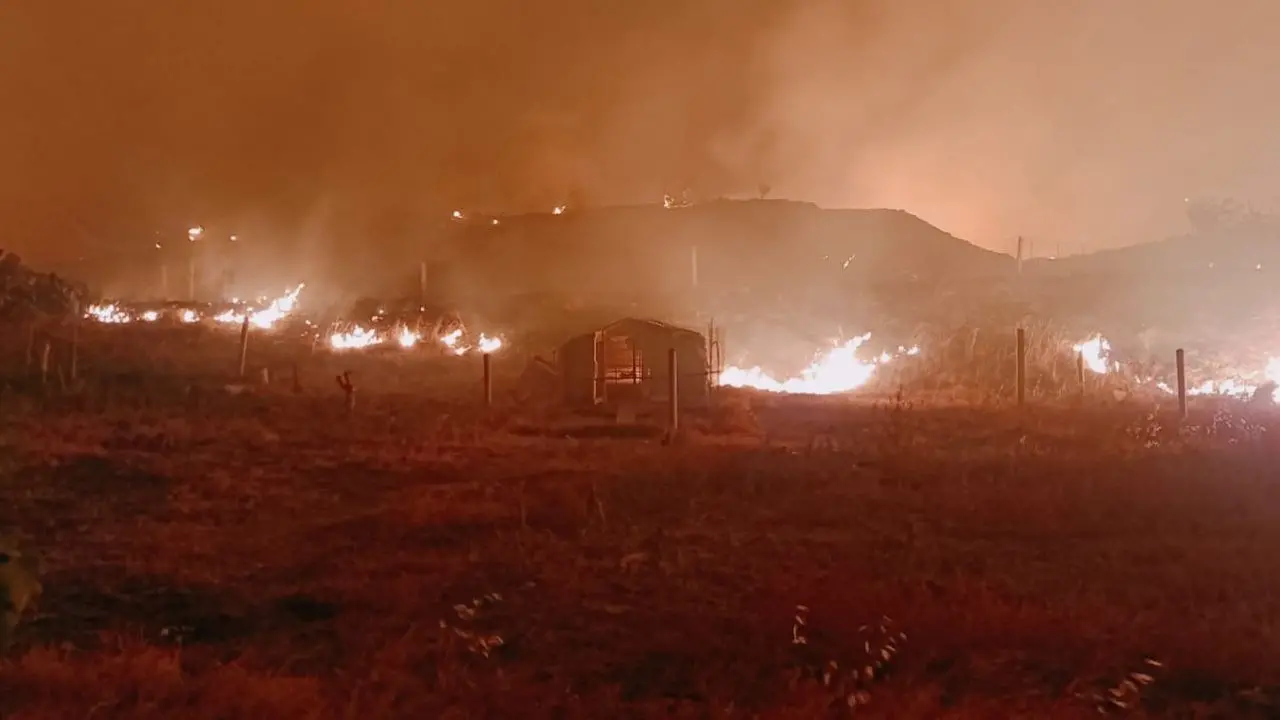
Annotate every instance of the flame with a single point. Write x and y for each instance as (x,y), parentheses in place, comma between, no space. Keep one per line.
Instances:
(267,317)
(407,338)
(558,210)
(150,316)
(485,344)
(108,314)
(1095,351)
(835,371)
(229,317)
(354,339)
(453,340)
(190,316)
(278,309)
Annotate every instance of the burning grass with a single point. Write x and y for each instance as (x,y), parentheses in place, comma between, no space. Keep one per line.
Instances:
(270,554)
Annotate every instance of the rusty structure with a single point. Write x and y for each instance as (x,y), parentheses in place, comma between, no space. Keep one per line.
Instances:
(626,361)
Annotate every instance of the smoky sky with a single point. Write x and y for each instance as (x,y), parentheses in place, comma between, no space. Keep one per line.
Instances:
(1081,124)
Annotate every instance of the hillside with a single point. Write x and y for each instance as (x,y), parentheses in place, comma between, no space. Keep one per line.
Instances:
(763,245)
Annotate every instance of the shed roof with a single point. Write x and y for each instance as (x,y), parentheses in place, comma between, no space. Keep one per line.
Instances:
(649,323)
(634,323)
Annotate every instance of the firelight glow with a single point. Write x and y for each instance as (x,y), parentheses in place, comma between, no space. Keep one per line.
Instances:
(1095,352)
(834,371)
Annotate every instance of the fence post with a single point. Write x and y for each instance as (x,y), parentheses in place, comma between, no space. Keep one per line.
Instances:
(1022,366)
(244,344)
(44,362)
(75,341)
(673,392)
(1182,383)
(486,362)
(1080,370)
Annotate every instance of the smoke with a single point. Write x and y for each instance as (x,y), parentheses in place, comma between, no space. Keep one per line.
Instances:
(1082,124)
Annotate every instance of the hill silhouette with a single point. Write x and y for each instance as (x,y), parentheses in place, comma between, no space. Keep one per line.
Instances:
(766,246)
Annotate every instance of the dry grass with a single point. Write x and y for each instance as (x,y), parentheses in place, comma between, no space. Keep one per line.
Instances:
(271,555)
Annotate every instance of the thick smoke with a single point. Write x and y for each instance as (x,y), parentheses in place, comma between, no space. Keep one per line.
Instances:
(1081,125)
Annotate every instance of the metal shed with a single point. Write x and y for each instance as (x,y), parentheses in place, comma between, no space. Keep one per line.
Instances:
(626,361)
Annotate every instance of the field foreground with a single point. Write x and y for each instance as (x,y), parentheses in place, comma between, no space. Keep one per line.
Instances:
(274,557)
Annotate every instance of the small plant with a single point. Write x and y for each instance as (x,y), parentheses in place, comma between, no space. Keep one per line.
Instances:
(850,683)
(19,589)
(478,643)
(348,388)
(1127,694)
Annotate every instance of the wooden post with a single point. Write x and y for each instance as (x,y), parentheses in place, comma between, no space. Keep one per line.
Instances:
(348,389)
(673,392)
(1182,383)
(1022,366)
(1080,371)
(244,344)
(1019,254)
(74,371)
(44,362)
(487,365)
(693,264)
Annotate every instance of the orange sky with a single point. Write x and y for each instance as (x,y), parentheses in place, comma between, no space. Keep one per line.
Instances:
(1080,124)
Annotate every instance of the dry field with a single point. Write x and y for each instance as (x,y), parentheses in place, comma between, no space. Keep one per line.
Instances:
(270,555)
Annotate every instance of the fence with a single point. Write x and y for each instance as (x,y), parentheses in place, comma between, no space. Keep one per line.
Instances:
(55,357)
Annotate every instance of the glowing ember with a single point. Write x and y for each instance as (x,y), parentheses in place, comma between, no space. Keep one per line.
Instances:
(354,339)
(279,308)
(230,317)
(407,338)
(108,314)
(1095,352)
(838,370)
(558,210)
(267,317)
(150,316)
(190,316)
(453,342)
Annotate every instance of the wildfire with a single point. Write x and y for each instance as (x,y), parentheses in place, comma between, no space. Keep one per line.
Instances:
(190,316)
(360,337)
(1095,352)
(835,371)
(267,317)
(407,338)
(279,308)
(150,316)
(110,314)
(354,339)
(451,341)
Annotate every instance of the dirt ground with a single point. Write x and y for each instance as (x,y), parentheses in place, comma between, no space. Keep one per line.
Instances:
(270,555)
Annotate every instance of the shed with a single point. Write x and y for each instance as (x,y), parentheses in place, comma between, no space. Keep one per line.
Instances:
(626,361)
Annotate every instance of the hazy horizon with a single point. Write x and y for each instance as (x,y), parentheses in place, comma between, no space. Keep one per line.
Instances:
(323,125)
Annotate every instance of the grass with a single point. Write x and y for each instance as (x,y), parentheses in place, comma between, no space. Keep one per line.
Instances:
(270,555)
